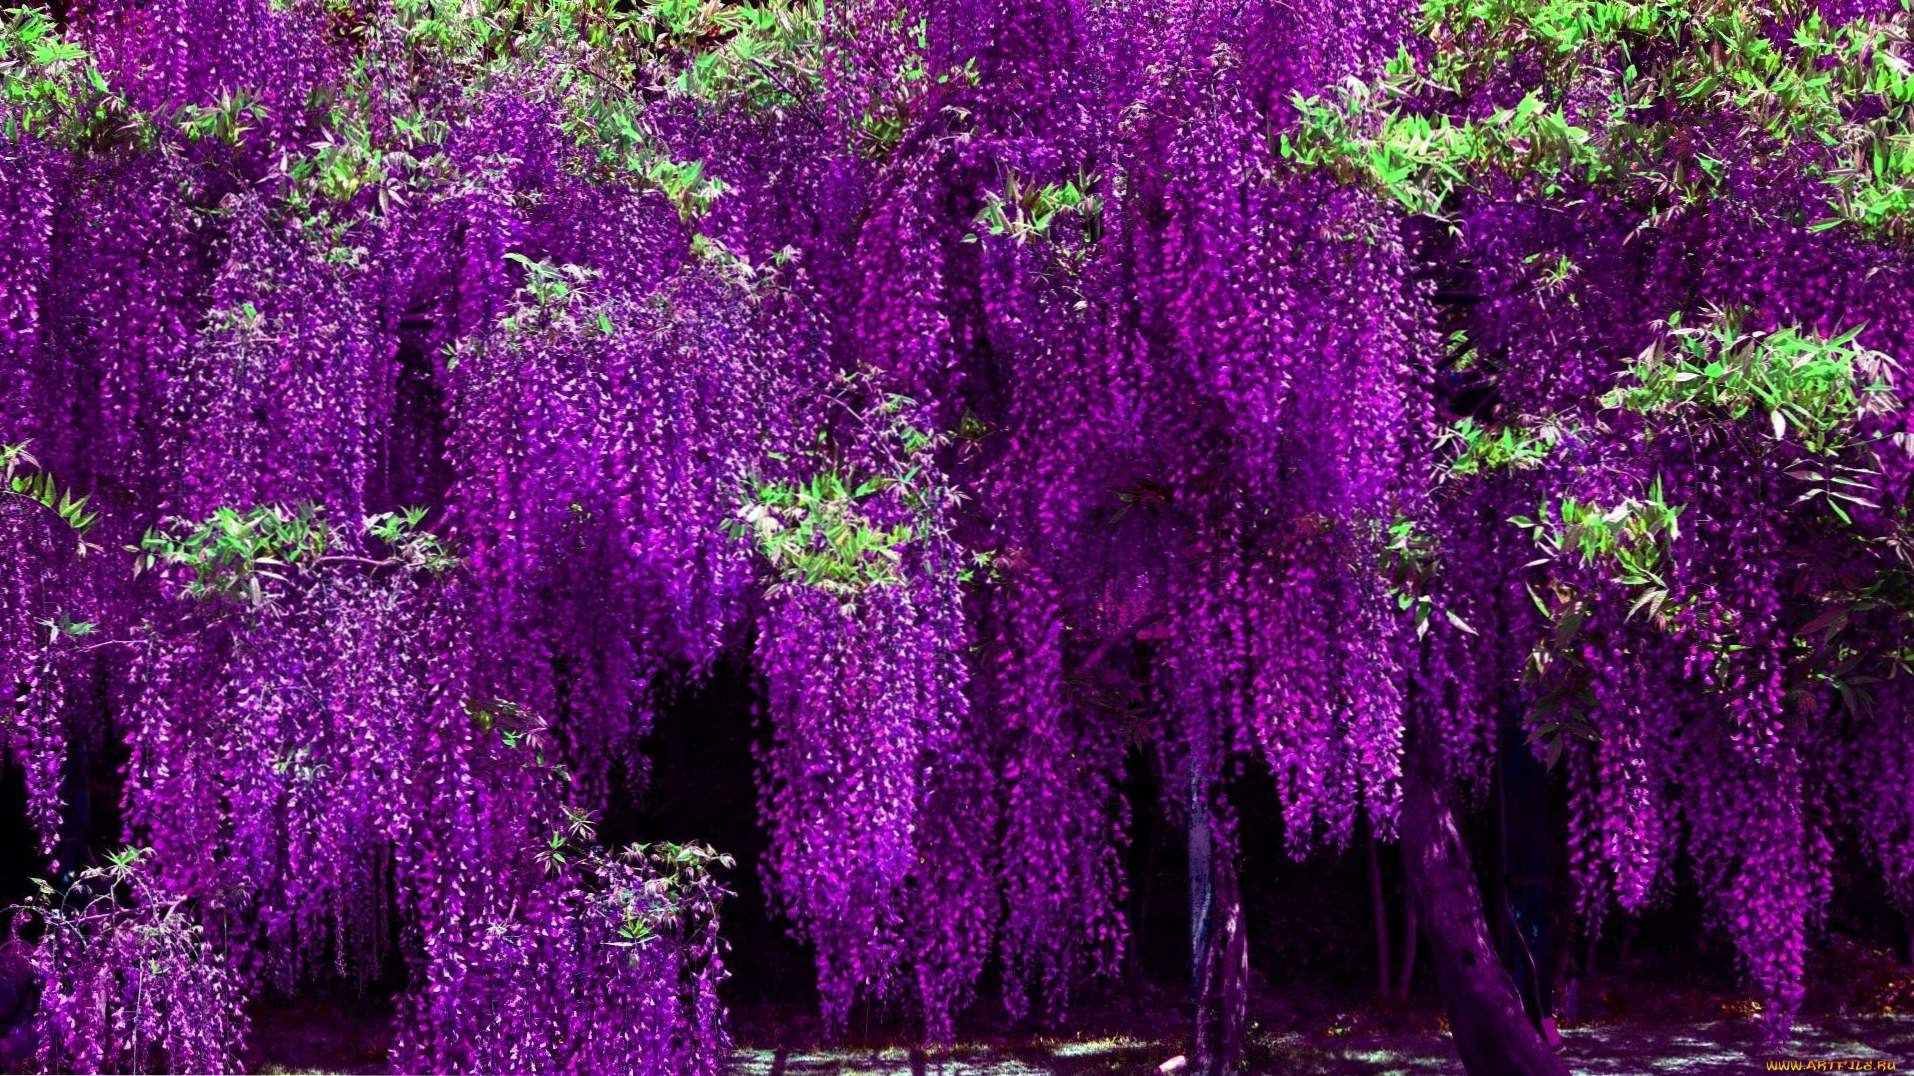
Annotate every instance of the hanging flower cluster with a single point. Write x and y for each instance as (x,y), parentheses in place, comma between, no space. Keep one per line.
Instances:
(45,582)
(861,646)
(129,982)
(577,958)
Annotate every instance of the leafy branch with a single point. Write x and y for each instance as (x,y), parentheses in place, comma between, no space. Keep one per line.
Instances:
(1024,211)
(248,555)
(843,531)
(1811,389)
(1630,538)
(22,477)
(1483,450)
(1410,558)
(1835,100)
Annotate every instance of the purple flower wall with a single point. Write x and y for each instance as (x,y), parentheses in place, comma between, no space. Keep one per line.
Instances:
(1003,383)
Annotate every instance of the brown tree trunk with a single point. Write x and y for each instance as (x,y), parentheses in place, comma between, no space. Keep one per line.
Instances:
(1491,1031)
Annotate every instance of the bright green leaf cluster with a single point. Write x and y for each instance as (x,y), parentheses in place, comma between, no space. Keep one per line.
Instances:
(22,477)
(548,295)
(760,55)
(1631,537)
(43,76)
(414,547)
(65,625)
(547,284)
(233,553)
(1837,98)
(50,86)
(1409,562)
(816,532)
(248,555)
(1420,161)
(1482,450)
(1024,211)
(824,530)
(225,120)
(753,278)
(1810,389)
(684,184)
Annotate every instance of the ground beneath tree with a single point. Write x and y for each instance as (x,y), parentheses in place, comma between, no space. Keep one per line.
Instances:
(1719,1047)
(1365,1044)
(1862,1010)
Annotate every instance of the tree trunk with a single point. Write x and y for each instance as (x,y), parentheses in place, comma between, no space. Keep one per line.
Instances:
(1219,954)
(1379,909)
(1527,874)
(1409,944)
(1491,1031)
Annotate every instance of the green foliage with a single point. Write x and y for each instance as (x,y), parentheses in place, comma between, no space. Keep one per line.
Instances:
(1812,389)
(1802,400)
(1554,277)
(824,530)
(245,319)
(43,76)
(1483,450)
(235,554)
(521,731)
(121,866)
(1632,537)
(1421,161)
(1024,211)
(1841,92)
(677,879)
(546,284)
(226,120)
(342,163)
(816,533)
(681,882)
(761,54)
(548,298)
(753,278)
(411,546)
(1630,540)
(1559,717)
(468,33)
(249,556)
(299,764)
(758,55)
(597,60)
(882,128)
(684,184)
(65,626)
(50,87)
(383,123)
(1410,558)
(1825,659)
(21,476)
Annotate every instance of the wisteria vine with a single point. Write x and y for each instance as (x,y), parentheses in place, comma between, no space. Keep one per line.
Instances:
(405,400)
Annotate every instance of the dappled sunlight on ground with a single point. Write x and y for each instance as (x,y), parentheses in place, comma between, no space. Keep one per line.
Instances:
(1692,1034)
(1716,1048)
(1110,1055)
